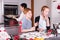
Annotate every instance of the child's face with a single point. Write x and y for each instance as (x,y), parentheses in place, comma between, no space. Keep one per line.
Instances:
(29,14)
(46,11)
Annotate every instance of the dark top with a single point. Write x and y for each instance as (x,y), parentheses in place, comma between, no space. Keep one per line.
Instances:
(37,20)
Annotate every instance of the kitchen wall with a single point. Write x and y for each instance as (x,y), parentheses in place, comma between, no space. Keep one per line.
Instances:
(37,6)
(1,12)
(11,2)
(55,13)
(28,2)
(18,2)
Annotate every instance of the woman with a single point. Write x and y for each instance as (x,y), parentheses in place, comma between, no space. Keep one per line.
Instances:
(26,21)
(22,7)
(43,20)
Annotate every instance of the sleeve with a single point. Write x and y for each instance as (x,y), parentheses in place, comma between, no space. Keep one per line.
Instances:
(48,27)
(37,19)
(21,16)
(49,19)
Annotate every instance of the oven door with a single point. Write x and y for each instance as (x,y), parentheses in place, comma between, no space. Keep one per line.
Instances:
(9,11)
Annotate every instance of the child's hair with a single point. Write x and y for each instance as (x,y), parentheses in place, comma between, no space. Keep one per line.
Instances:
(43,8)
(26,10)
(24,5)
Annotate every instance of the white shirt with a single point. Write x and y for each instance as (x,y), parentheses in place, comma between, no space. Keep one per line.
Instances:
(42,23)
(21,16)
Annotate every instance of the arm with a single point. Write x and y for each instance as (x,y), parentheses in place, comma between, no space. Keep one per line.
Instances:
(37,22)
(48,23)
(20,17)
(40,29)
(28,30)
(25,30)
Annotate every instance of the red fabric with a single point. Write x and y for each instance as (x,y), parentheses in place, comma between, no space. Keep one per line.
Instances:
(58,7)
(30,39)
(7,39)
(16,37)
(11,23)
(0,30)
(49,32)
(24,39)
(20,22)
(4,30)
(20,27)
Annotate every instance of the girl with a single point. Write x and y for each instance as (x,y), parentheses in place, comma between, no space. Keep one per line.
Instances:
(26,21)
(43,20)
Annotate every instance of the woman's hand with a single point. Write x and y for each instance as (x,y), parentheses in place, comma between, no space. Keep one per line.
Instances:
(40,29)
(32,29)
(46,18)
(14,17)
(35,24)
(47,21)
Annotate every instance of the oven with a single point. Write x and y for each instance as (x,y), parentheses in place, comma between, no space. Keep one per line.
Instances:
(10,10)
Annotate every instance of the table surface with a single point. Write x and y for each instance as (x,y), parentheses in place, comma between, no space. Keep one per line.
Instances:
(32,34)
(54,38)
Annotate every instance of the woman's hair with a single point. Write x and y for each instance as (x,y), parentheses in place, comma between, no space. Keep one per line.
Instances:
(24,5)
(26,10)
(43,8)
